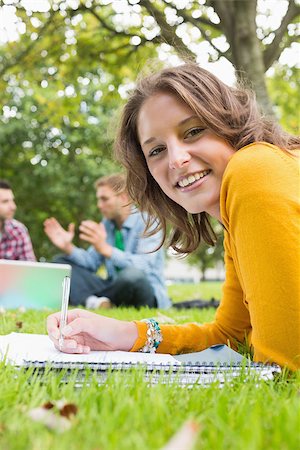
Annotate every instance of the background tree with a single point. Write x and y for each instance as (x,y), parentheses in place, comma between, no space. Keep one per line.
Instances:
(81,34)
(71,64)
(205,256)
(52,150)
(283,86)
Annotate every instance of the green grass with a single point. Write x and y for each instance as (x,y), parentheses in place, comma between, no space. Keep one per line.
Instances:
(128,414)
(205,290)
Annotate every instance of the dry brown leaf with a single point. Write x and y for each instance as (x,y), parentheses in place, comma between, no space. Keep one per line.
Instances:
(185,437)
(50,419)
(68,410)
(54,415)
(48,405)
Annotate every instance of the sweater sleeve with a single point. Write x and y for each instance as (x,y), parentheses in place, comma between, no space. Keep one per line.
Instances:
(260,210)
(231,324)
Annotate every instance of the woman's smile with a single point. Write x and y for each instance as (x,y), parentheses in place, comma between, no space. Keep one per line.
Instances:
(193,180)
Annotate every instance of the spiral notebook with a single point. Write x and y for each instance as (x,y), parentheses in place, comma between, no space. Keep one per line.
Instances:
(33,351)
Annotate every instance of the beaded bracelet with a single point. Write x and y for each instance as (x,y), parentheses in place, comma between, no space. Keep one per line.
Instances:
(154,336)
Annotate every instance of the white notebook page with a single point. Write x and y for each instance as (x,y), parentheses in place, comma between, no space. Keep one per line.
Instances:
(20,347)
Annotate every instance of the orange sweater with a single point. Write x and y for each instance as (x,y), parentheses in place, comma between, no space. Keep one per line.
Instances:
(261,293)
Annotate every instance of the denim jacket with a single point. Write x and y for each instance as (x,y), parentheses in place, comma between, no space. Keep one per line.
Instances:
(136,253)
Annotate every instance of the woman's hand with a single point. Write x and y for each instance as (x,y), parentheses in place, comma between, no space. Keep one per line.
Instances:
(86,331)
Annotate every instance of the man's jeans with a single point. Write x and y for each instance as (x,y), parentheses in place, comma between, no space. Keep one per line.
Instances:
(130,288)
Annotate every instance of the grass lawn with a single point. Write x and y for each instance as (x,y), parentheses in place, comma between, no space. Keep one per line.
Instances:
(127,414)
(190,291)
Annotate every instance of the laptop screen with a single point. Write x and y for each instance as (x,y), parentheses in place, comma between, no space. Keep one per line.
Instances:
(34,285)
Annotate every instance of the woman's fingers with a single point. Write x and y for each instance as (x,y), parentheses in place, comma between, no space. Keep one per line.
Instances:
(53,326)
(53,322)
(72,346)
(82,333)
(79,325)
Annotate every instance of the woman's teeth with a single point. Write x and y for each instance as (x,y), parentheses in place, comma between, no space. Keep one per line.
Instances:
(192,178)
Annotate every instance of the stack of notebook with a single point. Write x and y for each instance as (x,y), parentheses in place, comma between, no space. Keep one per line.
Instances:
(215,364)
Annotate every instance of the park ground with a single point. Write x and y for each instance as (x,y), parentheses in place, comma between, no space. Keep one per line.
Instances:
(126,413)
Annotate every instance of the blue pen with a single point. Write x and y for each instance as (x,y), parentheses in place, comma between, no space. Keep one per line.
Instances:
(64,309)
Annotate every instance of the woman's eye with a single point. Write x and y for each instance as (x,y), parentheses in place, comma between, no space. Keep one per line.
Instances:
(155,151)
(194,132)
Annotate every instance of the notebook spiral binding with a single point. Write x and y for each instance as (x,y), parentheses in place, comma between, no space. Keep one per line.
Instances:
(183,374)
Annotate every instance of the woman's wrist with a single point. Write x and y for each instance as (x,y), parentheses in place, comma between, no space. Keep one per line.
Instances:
(128,334)
(154,336)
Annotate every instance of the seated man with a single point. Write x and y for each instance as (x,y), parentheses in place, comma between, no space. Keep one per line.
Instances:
(134,268)
(15,243)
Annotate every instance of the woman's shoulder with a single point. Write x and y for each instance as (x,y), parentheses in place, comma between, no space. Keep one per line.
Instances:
(261,158)
(259,169)
(258,177)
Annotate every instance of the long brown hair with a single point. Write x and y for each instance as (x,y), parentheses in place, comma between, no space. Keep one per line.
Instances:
(230,112)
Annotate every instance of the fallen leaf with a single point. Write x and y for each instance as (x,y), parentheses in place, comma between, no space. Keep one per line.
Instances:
(48,405)
(55,415)
(185,437)
(50,419)
(60,403)
(68,410)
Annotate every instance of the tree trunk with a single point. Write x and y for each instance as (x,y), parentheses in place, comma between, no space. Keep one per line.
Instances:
(246,54)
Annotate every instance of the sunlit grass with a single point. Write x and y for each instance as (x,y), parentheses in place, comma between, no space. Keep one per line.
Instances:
(189,291)
(126,413)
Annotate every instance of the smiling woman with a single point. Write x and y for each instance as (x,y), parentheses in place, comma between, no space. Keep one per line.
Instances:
(193,148)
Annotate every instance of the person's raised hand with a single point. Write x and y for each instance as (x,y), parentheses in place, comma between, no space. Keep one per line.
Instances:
(86,331)
(60,237)
(96,235)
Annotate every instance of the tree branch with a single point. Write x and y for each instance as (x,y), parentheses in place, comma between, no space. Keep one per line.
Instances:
(189,18)
(132,48)
(28,49)
(273,50)
(167,32)
(225,11)
(104,23)
(196,22)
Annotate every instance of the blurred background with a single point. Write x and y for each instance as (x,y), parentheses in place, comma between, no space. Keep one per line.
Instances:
(67,67)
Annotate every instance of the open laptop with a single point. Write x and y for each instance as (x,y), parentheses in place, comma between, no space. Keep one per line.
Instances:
(34,285)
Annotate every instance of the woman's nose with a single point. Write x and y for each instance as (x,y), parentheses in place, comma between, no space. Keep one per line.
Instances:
(178,157)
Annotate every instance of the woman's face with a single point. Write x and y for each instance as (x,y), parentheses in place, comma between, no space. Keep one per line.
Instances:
(186,159)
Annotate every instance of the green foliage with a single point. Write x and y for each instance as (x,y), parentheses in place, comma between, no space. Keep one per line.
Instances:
(206,256)
(284,91)
(52,152)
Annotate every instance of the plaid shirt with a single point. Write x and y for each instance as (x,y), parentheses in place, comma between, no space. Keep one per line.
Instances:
(15,242)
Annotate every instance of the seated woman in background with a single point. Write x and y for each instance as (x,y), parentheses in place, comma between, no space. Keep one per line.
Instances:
(194,147)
